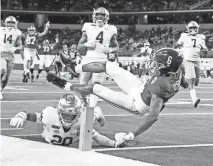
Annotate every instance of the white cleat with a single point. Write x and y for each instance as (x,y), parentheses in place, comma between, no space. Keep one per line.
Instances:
(99,116)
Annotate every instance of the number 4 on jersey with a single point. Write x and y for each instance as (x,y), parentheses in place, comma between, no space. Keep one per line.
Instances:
(100,37)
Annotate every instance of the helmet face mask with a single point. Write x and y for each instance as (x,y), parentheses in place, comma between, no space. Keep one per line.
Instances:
(31,30)
(100,16)
(69,109)
(10,22)
(193,28)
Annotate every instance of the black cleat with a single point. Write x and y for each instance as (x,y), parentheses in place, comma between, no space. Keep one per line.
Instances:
(196,103)
(70,65)
(54,79)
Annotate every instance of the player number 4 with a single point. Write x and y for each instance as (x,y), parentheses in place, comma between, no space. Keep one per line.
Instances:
(100,37)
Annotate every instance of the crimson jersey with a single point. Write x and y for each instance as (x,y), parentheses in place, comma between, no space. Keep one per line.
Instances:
(73,55)
(46,49)
(162,86)
(31,41)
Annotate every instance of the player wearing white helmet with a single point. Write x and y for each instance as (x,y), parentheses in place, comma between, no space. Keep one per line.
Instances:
(192,44)
(61,125)
(30,49)
(10,41)
(99,39)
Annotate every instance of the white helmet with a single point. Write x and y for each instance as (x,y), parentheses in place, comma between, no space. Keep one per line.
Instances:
(31,30)
(193,28)
(146,44)
(100,16)
(10,22)
(69,109)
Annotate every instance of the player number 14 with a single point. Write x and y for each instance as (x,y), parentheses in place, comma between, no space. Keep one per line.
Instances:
(9,39)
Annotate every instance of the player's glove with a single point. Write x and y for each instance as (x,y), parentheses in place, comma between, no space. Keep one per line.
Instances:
(48,25)
(90,45)
(54,79)
(124,139)
(18,120)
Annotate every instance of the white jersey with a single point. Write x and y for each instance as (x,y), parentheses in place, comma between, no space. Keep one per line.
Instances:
(54,132)
(192,45)
(146,54)
(146,50)
(102,35)
(8,38)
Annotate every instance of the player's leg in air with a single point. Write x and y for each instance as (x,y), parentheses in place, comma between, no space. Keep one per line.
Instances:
(6,69)
(129,99)
(192,74)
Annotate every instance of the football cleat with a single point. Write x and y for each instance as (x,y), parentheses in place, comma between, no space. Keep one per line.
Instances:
(196,103)
(69,64)
(54,79)
(37,77)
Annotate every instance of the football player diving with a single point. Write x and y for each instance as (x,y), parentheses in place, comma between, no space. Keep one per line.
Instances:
(136,98)
(61,125)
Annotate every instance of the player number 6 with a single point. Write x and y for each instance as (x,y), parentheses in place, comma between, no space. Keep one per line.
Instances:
(169,60)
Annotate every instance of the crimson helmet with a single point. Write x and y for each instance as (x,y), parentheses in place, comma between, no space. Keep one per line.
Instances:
(165,61)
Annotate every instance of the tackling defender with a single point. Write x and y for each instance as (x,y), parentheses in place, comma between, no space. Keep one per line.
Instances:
(10,38)
(99,39)
(61,125)
(137,98)
(192,44)
(30,49)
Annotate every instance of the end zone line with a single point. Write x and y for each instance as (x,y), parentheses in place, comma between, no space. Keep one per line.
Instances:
(163,114)
(8,129)
(153,147)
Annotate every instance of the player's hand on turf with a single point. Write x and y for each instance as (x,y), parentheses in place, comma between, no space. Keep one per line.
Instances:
(12,50)
(18,120)
(48,25)
(123,139)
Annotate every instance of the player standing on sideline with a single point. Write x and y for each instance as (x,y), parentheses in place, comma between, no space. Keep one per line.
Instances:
(10,42)
(45,60)
(136,98)
(192,44)
(30,48)
(61,125)
(99,39)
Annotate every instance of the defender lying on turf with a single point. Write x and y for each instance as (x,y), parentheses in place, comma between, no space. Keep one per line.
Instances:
(61,125)
(136,98)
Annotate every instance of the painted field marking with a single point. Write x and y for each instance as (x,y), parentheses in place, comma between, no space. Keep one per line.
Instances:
(154,147)
(163,114)
(15,88)
(26,135)
(29,101)
(8,129)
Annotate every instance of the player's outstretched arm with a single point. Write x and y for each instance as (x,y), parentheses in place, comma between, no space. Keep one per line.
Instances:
(105,141)
(21,117)
(155,108)
(83,44)
(47,26)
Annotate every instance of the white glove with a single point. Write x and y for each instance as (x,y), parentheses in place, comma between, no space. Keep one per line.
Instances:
(18,120)
(90,44)
(122,138)
(12,50)
(48,25)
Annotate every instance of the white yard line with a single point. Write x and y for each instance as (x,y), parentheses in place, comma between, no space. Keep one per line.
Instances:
(162,114)
(154,147)
(26,135)
(8,129)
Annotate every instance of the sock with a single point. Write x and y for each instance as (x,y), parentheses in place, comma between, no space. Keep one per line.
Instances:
(39,71)
(31,70)
(78,68)
(193,94)
(67,86)
(93,100)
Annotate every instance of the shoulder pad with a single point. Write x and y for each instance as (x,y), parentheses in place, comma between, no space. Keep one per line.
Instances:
(202,36)
(50,116)
(113,29)
(87,25)
(184,34)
